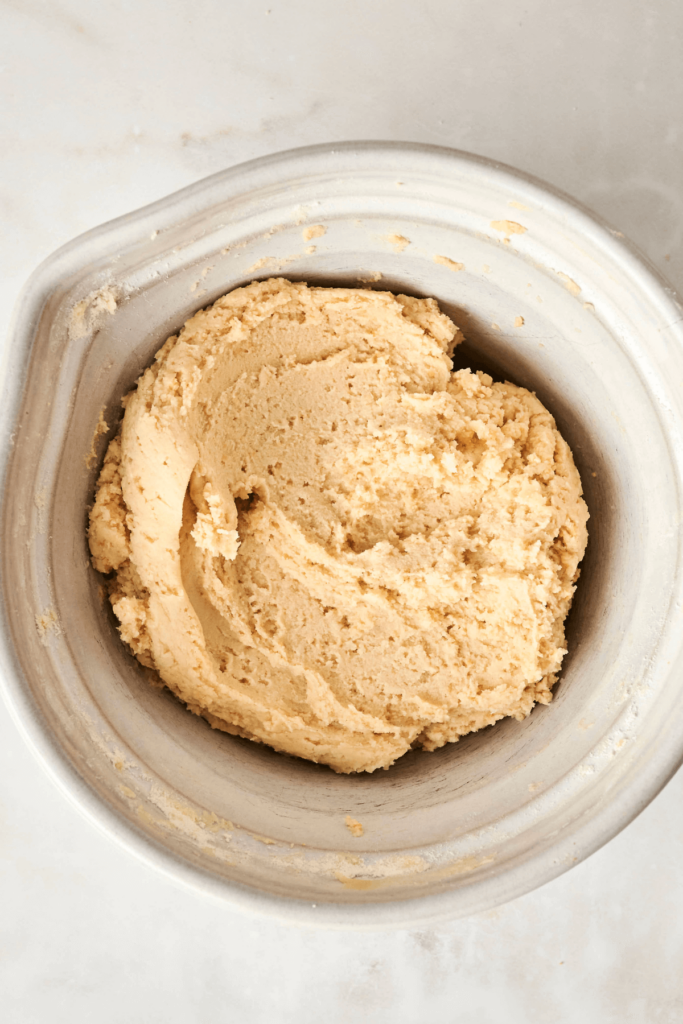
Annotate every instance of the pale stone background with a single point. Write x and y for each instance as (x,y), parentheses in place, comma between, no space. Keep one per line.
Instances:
(107,105)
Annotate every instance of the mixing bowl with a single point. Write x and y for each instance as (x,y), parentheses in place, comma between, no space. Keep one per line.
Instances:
(546,297)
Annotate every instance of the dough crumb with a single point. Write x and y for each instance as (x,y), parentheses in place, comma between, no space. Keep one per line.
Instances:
(314,231)
(46,624)
(398,242)
(100,429)
(508,227)
(519,321)
(447,262)
(86,314)
(271,263)
(354,827)
(260,264)
(569,283)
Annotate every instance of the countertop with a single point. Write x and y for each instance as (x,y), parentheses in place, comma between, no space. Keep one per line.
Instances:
(105,107)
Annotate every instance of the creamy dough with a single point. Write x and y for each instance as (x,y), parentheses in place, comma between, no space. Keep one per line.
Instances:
(325,540)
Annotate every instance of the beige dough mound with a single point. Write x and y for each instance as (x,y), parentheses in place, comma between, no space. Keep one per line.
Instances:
(325,540)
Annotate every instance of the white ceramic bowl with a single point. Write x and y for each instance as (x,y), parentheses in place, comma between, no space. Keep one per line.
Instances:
(447,833)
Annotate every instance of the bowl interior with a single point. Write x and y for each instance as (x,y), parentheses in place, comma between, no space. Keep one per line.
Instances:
(241,813)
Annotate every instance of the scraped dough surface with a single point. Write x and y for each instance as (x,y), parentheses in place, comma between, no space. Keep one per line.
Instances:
(324,540)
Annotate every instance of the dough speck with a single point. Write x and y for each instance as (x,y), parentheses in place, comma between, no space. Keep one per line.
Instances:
(446,261)
(398,242)
(314,231)
(508,227)
(354,827)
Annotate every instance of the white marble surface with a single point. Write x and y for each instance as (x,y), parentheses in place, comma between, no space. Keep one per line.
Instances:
(106,106)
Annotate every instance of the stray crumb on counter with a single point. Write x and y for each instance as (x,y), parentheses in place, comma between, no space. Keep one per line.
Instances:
(519,321)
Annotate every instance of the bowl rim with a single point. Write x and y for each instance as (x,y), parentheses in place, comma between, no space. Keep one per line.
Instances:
(125,231)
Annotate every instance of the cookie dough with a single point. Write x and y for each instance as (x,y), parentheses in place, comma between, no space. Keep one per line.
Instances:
(324,540)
